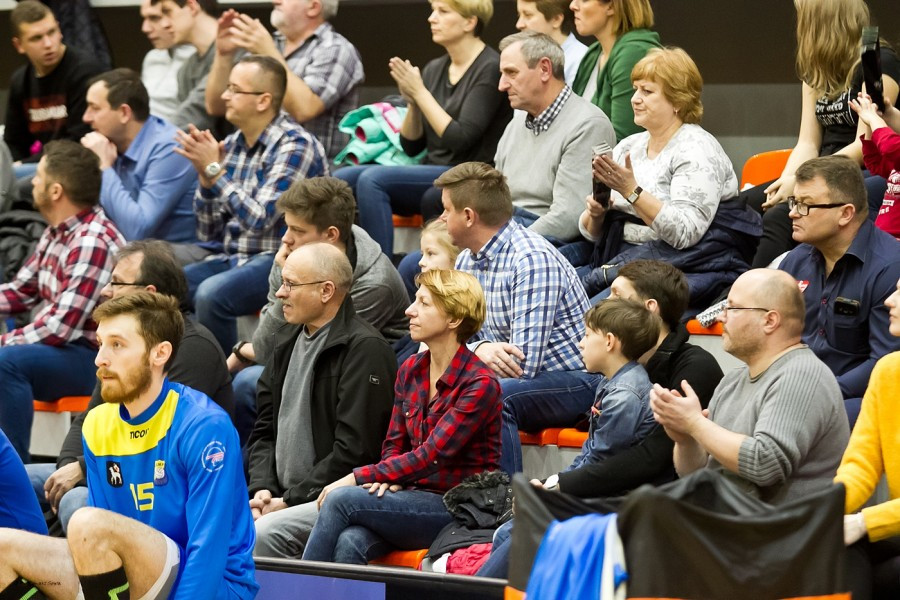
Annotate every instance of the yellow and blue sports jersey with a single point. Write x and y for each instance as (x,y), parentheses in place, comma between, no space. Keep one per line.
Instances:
(177,467)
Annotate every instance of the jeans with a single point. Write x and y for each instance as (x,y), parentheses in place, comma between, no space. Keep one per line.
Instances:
(383,190)
(284,533)
(355,526)
(244,386)
(40,372)
(550,399)
(74,499)
(221,291)
(497,564)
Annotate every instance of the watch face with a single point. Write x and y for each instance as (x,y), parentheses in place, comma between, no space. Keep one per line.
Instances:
(212,169)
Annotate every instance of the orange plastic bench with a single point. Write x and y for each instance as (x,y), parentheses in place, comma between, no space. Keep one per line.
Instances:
(414,221)
(74,404)
(695,328)
(402,558)
(547,437)
(571,438)
(510,593)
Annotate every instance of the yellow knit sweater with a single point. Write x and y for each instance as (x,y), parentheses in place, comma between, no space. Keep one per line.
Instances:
(874,449)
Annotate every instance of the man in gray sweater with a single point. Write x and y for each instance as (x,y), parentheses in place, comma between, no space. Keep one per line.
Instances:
(319,210)
(545,151)
(778,424)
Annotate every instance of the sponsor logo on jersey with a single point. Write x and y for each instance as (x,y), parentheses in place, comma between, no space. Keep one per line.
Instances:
(138,433)
(159,473)
(213,456)
(114,473)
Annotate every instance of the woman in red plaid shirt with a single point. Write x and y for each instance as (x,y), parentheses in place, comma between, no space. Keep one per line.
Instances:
(445,427)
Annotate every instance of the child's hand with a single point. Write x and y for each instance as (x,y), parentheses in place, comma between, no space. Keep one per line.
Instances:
(867,110)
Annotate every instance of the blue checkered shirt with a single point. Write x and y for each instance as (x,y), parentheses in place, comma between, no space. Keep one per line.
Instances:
(535,301)
(239,208)
(541,123)
(330,65)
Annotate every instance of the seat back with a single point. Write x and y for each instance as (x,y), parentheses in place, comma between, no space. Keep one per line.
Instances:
(764,167)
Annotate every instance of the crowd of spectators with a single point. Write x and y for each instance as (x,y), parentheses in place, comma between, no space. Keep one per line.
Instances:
(580,215)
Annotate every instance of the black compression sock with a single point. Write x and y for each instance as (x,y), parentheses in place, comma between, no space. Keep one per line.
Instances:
(21,589)
(105,586)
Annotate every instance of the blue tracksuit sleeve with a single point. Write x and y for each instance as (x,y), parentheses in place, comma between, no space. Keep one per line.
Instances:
(212,461)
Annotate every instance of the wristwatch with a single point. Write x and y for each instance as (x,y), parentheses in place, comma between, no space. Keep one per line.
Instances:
(632,198)
(212,169)
(237,347)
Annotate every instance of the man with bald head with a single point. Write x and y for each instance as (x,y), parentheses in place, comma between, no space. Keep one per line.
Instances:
(323,400)
(777,425)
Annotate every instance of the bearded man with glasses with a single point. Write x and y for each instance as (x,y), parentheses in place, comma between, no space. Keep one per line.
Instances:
(846,268)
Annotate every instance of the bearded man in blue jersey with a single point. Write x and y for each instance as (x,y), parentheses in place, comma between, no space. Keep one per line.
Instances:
(167,515)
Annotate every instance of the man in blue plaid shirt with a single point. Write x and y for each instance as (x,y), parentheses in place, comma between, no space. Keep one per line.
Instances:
(240,180)
(535,307)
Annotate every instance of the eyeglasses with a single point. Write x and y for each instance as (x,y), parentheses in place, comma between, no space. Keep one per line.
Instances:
(124,283)
(803,209)
(726,308)
(230,89)
(290,286)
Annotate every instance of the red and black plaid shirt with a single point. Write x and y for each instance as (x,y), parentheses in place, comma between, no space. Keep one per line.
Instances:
(62,281)
(433,444)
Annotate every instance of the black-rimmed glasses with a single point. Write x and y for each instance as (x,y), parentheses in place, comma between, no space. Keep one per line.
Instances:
(803,209)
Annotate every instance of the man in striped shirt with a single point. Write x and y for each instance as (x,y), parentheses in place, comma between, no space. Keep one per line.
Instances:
(53,355)
(240,180)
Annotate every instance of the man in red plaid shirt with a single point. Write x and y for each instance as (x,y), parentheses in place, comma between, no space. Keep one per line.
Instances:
(53,355)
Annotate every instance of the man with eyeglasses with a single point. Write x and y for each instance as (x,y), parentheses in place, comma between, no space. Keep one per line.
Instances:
(846,268)
(143,266)
(53,354)
(776,425)
(240,181)
(323,399)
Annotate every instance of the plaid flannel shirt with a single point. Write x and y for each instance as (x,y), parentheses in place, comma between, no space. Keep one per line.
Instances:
(330,65)
(62,279)
(240,206)
(434,441)
(541,123)
(535,300)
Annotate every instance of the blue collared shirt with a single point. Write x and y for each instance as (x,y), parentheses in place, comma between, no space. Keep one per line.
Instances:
(149,189)
(535,300)
(867,273)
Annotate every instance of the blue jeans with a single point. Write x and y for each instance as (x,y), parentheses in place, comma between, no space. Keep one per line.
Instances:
(74,499)
(551,399)
(40,372)
(383,190)
(497,564)
(244,386)
(221,291)
(355,526)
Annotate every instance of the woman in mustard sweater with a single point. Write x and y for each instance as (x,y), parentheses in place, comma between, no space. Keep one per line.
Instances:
(873,451)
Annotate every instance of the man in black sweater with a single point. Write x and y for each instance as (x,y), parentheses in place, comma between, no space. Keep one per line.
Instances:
(200,364)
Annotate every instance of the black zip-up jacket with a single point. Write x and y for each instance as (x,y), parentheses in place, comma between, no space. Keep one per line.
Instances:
(350,404)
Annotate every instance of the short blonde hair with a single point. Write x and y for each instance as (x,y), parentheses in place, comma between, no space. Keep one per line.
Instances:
(482,188)
(438,229)
(679,77)
(828,38)
(482,10)
(459,296)
(631,14)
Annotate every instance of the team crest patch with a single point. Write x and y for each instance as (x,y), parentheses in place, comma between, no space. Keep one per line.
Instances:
(159,473)
(114,473)
(803,284)
(213,456)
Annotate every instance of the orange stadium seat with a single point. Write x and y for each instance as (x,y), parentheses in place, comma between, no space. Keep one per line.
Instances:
(402,558)
(764,167)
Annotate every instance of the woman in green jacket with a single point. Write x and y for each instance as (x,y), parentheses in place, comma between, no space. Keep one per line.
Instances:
(622,29)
